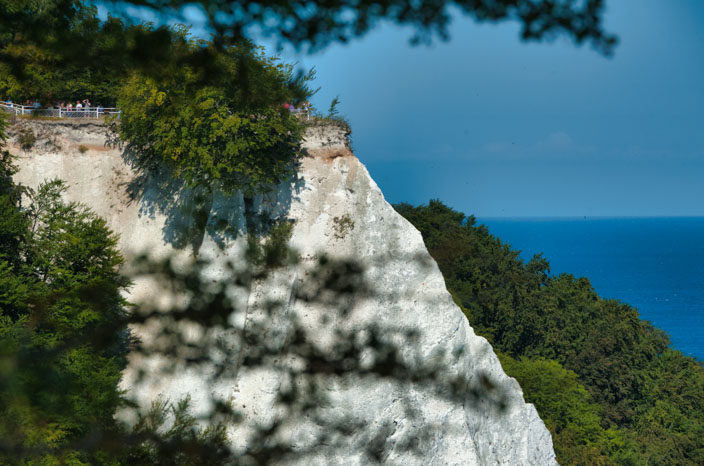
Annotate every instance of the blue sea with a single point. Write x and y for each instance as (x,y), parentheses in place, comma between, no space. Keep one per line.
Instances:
(653,264)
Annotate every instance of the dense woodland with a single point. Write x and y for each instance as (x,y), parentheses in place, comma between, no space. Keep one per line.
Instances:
(607,384)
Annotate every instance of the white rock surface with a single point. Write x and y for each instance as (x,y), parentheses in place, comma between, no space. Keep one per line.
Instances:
(333,185)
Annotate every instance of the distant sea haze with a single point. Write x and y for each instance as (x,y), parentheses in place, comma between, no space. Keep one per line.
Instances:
(653,264)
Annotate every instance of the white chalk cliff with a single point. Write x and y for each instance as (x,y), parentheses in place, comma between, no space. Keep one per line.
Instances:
(337,209)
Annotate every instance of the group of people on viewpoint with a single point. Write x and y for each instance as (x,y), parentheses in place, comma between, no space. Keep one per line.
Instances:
(69,109)
(302,108)
(80,107)
(85,108)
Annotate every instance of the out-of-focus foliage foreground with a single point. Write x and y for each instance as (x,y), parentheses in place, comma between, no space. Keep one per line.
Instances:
(606,383)
(212,113)
(67,29)
(65,339)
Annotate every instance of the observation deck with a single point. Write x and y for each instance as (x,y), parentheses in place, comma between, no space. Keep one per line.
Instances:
(58,112)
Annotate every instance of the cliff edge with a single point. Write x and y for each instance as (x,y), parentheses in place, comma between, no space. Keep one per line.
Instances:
(336,209)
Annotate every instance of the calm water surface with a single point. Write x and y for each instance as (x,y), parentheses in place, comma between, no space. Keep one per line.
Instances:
(654,264)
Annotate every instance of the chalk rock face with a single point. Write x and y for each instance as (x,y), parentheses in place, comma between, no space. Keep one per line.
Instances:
(336,209)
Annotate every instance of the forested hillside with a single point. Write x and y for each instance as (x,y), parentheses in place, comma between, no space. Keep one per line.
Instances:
(607,384)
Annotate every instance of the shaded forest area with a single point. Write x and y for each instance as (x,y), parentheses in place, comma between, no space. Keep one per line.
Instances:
(607,384)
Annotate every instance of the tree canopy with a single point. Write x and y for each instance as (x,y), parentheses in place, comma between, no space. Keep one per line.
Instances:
(63,339)
(224,125)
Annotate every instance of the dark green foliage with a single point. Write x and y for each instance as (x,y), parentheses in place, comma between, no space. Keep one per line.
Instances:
(570,413)
(55,50)
(271,249)
(670,419)
(13,223)
(67,33)
(223,126)
(171,435)
(26,139)
(652,394)
(58,50)
(63,338)
(318,24)
(333,111)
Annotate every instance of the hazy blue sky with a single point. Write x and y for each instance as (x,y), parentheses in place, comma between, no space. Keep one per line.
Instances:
(496,127)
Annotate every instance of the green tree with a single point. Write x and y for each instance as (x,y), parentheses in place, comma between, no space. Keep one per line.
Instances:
(670,418)
(570,413)
(56,50)
(223,126)
(63,339)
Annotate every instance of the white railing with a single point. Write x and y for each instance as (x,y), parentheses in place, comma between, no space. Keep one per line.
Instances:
(302,113)
(91,112)
(56,112)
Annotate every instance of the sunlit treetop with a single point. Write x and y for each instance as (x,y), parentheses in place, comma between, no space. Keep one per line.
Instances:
(220,120)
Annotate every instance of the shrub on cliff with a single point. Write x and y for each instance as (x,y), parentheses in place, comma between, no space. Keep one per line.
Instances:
(223,124)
